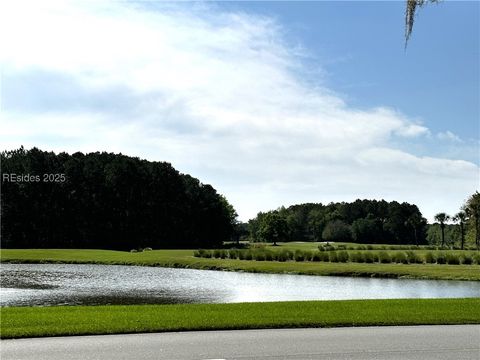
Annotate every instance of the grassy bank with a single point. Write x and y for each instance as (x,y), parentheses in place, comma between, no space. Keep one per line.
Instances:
(82,320)
(185,259)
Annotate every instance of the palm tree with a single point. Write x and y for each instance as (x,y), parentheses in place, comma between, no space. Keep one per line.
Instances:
(461,217)
(412,6)
(472,208)
(442,218)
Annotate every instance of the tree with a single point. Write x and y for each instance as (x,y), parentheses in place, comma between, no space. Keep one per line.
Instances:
(414,221)
(442,218)
(273,228)
(461,217)
(472,210)
(338,231)
(411,8)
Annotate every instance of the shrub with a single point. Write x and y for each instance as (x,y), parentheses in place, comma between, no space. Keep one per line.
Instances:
(350,247)
(369,247)
(413,257)
(133,250)
(233,254)
(467,259)
(147,249)
(196,253)
(400,257)
(476,259)
(453,259)
(299,255)
(430,258)
(332,256)
(308,255)
(376,257)
(441,258)
(248,255)
(241,254)
(357,257)
(321,247)
(361,247)
(316,257)
(259,255)
(341,247)
(369,258)
(269,256)
(324,257)
(223,254)
(342,256)
(384,257)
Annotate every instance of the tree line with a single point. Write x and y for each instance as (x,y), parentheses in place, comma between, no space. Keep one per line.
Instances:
(362,221)
(106,200)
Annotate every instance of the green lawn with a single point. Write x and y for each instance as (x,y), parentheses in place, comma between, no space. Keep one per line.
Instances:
(82,320)
(185,259)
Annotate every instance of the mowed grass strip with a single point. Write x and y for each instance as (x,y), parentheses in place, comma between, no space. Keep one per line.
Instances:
(18,322)
(185,259)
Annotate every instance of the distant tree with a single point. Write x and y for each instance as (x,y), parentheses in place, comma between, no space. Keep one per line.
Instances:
(442,218)
(461,218)
(472,210)
(415,221)
(273,228)
(337,231)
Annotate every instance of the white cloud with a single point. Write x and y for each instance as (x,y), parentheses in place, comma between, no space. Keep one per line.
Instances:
(218,95)
(449,136)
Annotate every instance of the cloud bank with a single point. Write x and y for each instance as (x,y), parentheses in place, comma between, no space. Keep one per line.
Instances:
(220,95)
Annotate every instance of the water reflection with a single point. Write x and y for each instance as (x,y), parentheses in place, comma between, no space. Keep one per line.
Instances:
(66,284)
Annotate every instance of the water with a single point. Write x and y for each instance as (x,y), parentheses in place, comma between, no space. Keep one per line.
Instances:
(66,284)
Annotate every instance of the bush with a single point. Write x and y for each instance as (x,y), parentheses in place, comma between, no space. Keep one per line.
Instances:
(476,259)
(453,259)
(332,256)
(384,257)
(342,256)
(133,250)
(341,247)
(467,259)
(259,256)
(147,249)
(233,254)
(316,257)
(369,247)
(241,254)
(248,255)
(369,258)
(299,255)
(413,257)
(430,258)
(400,257)
(361,247)
(441,258)
(357,257)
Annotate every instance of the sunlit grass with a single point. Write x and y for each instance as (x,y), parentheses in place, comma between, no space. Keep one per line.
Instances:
(81,320)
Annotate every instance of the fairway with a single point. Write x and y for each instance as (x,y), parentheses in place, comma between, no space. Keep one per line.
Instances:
(82,320)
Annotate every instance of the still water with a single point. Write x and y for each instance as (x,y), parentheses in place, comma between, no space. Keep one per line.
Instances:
(66,284)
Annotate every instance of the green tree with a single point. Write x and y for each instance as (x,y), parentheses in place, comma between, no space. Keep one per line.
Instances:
(273,228)
(461,218)
(415,221)
(442,218)
(472,210)
(337,231)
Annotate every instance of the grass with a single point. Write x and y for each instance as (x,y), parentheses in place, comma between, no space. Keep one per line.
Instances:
(185,259)
(18,322)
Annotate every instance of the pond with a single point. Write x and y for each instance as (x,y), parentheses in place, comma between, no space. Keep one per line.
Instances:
(67,284)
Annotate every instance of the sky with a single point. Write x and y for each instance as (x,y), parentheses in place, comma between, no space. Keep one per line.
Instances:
(272,103)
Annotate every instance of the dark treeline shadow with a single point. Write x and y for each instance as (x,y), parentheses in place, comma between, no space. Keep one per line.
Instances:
(107,201)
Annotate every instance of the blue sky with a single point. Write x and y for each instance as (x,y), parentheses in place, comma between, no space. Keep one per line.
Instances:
(273,103)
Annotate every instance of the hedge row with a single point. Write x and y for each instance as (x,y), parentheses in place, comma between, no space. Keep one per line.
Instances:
(382,257)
